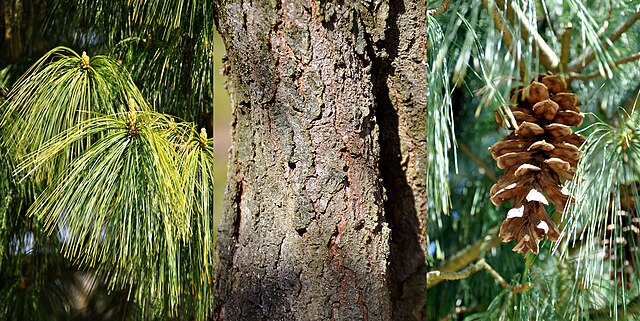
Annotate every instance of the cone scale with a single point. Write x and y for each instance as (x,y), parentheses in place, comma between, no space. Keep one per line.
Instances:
(538,154)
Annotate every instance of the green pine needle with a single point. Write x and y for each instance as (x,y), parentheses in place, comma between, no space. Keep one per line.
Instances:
(59,92)
(120,205)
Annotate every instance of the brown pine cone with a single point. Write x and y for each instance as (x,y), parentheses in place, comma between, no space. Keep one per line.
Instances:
(540,151)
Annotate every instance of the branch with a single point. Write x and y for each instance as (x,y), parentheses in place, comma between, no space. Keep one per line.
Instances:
(605,24)
(465,149)
(590,55)
(437,276)
(548,58)
(507,36)
(443,6)
(634,57)
(565,40)
(495,274)
(469,254)
(449,276)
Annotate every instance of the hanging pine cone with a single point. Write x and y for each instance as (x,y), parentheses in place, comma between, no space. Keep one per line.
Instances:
(622,236)
(541,149)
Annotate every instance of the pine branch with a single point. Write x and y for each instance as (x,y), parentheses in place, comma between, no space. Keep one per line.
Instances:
(459,275)
(584,60)
(495,274)
(596,74)
(465,273)
(440,9)
(465,149)
(548,58)
(506,34)
(565,41)
(437,276)
(469,254)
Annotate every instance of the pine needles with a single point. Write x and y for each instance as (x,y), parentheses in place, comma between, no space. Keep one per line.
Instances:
(440,139)
(128,191)
(72,94)
(593,274)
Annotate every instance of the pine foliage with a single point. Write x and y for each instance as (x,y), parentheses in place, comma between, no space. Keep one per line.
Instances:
(590,272)
(105,167)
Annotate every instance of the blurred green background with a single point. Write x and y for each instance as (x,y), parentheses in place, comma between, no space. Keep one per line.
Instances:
(221,129)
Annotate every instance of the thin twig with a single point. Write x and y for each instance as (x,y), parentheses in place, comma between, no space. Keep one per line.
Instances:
(495,275)
(605,24)
(548,58)
(441,9)
(566,47)
(589,55)
(469,254)
(472,269)
(507,36)
(458,275)
(614,64)
(465,149)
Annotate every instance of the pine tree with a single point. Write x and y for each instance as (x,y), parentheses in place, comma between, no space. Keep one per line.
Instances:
(106,160)
(496,60)
(351,165)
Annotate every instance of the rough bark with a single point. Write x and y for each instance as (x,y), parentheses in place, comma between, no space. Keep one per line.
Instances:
(21,30)
(328,99)
(403,136)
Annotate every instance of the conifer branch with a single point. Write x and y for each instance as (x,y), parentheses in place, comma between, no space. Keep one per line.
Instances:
(507,36)
(469,254)
(548,58)
(495,274)
(589,55)
(465,149)
(458,275)
(437,275)
(440,9)
(596,74)
(565,41)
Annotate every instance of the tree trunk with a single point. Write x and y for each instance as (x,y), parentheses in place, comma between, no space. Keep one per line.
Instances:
(21,30)
(325,204)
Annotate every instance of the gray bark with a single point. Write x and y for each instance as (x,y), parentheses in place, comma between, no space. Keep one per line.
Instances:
(325,204)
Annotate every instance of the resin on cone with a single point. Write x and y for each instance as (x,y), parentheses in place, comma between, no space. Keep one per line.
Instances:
(540,151)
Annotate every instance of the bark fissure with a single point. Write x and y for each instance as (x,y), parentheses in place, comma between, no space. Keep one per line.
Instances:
(400,109)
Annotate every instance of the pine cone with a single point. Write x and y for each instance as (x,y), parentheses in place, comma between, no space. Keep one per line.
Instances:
(540,151)
(623,229)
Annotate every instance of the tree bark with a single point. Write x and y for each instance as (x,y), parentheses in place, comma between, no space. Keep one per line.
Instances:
(21,31)
(325,203)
